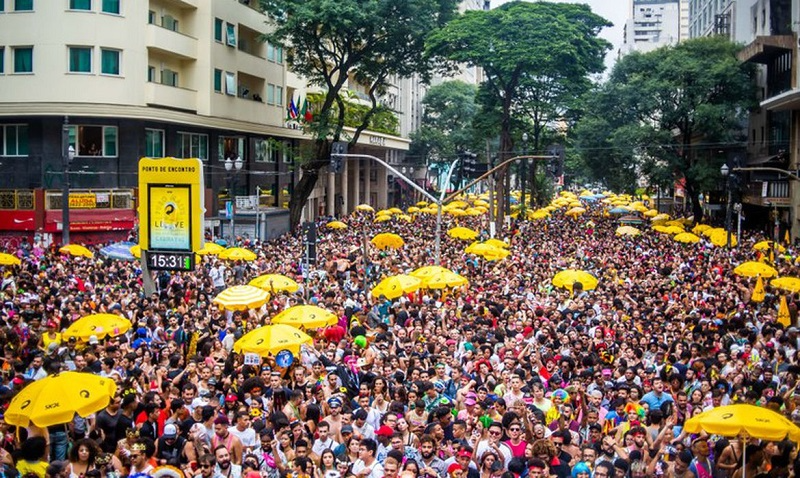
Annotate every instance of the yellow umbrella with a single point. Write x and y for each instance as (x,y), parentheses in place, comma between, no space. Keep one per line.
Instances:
(422,204)
(575,211)
(540,214)
(687,238)
(487,251)
(443,279)
(480,202)
(387,240)
(136,251)
(711,231)
(463,233)
(457,212)
(698,229)
(784,317)
(788,284)
(650,213)
(568,277)
(660,217)
(9,260)
(673,229)
(413,210)
(76,250)
(396,286)
(675,222)
(720,239)
(405,217)
(241,297)
(767,246)
(274,283)
(382,218)
(365,207)
(427,271)
(98,325)
(384,212)
(496,243)
(56,399)
(272,339)
(754,269)
(627,231)
(395,210)
(336,225)
(457,204)
(759,294)
(210,248)
(306,316)
(237,254)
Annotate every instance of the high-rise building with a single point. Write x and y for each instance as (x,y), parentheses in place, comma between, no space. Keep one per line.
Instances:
(731,18)
(652,24)
(134,78)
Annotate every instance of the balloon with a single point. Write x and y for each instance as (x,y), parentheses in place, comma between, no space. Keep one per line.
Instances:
(361,341)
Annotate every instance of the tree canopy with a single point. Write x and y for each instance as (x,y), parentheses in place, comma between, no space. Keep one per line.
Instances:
(659,111)
(331,42)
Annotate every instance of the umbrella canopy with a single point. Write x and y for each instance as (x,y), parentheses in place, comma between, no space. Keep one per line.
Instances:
(272,339)
(210,248)
(396,286)
(720,238)
(76,250)
(275,283)
(413,210)
(463,233)
(631,220)
(237,254)
(441,280)
(56,399)
(567,278)
(395,210)
(306,316)
(365,208)
(687,238)
(789,284)
(9,260)
(619,210)
(336,225)
(136,251)
(487,251)
(698,229)
(668,229)
(97,325)
(496,243)
(627,231)
(768,245)
(241,297)
(120,251)
(428,271)
(754,269)
(744,420)
(383,218)
(387,240)
(575,211)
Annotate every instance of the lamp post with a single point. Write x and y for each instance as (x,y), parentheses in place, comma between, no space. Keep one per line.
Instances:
(523,174)
(725,171)
(67,155)
(233,166)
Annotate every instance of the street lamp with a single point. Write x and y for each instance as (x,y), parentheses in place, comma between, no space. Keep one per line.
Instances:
(68,154)
(233,167)
(725,171)
(523,174)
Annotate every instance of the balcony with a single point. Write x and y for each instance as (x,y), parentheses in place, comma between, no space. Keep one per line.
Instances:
(191,4)
(759,193)
(764,48)
(171,43)
(156,94)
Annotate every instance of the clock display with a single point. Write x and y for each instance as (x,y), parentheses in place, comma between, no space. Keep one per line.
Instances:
(170,261)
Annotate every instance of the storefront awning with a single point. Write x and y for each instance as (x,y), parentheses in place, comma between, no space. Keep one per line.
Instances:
(788,100)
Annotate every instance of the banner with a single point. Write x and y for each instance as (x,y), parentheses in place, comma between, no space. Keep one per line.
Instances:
(170,217)
(82,201)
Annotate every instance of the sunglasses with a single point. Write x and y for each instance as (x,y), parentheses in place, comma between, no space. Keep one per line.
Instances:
(135,456)
(206,466)
(514,429)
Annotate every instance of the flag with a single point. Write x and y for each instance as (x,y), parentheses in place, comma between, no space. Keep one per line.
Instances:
(291,111)
(783,313)
(758,291)
(786,237)
(305,112)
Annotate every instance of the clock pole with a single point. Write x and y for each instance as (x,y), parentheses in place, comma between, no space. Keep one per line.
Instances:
(147,277)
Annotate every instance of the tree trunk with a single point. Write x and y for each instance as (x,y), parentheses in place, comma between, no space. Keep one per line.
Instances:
(506,147)
(694,197)
(300,195)
(534,185)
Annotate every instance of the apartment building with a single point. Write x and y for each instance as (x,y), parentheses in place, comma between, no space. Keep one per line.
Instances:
(134,78)
(652,24)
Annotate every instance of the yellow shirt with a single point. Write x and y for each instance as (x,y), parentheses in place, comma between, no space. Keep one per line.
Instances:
(46,340)
(38,468)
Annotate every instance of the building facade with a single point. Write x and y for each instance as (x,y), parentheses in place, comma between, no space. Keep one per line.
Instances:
(652,24)
(132,78)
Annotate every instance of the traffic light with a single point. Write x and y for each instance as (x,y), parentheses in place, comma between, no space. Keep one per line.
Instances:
(338,148)
(472,168)
(555,165)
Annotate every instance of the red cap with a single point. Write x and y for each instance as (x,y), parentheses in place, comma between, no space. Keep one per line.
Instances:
(453,467)
(231,398)
(463,453)
(384,431)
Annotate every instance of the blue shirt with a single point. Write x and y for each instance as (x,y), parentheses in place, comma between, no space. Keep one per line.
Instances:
(655,401)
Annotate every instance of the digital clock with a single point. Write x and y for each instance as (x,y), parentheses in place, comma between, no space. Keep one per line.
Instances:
(169,261)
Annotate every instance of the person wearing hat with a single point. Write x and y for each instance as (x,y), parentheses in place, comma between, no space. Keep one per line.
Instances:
(173,449)
(334,418)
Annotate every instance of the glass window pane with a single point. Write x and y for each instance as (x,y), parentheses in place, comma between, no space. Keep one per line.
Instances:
(2,9)
(218,80)
(279,95)
(230,83)
(110,140)
(202,153)
(73,136)
(279,51)
(11,140)
(23,5)
(217,29)
(231,38)
(80,4)
(270,52)
(23,60)
(2,58)
(80,60)
(22,140)
(3,139)
(109,62)
(111,6)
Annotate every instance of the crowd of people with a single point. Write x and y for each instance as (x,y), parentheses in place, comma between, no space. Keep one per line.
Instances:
(506,377)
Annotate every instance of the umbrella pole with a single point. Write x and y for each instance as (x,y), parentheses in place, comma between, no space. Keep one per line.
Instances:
(744,456)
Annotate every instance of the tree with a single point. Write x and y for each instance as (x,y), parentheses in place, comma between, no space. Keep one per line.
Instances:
(516,44)
(331,42)
(446,127)
(660,111)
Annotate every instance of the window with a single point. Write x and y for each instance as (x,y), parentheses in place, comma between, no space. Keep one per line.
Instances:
(151,17)
(230,147)
(274,53)
(23,59)
(2,58)
(80,4)
(279,95)
(218,80)
(279,54)
(193,145)
(270,52)
(151,74)
(230,83)
(2,5)
(231,34)
(23,5)
(263,151)
(270,94)
(218,29)
(169,77)
(80,59)
(111,6)
(154,143)
(14,140)
(287,153)
(94,140)
(109,62)
(169,22)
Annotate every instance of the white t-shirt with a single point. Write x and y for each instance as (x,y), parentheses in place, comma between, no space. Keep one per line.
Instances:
(377,469)
(320,446)
(248,438)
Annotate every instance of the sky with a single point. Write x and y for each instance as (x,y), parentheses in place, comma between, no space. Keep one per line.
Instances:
(615,11)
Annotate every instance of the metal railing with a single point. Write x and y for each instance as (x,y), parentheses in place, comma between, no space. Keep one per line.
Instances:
(22,199)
